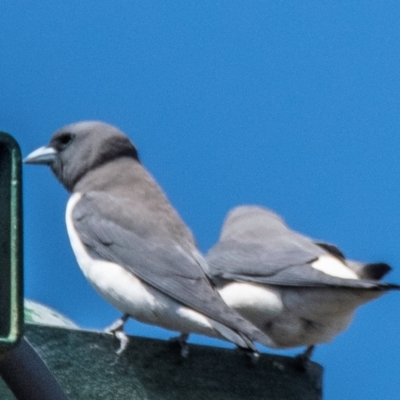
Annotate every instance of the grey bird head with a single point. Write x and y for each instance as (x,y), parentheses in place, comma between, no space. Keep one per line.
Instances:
(80,147)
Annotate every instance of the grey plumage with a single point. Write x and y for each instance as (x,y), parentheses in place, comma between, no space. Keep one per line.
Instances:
(124,231)
(298,291)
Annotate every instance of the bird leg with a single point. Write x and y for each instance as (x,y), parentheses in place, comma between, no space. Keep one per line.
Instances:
(303,359)
(117,329)
(181,341)
(251,356)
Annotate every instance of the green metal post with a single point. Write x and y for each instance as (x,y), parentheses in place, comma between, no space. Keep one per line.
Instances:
(11,288)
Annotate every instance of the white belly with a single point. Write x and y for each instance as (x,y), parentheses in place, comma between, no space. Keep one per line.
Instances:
(294,317)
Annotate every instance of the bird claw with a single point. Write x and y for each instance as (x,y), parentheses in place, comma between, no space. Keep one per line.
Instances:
(254,357)
(251,355)
(117,329)
(123,341)
(303,360)
(181,341)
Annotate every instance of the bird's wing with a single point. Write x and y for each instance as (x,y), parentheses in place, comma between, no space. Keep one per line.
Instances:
(158,261)
(257,246)
(234,261)
(256,241)
(332,249)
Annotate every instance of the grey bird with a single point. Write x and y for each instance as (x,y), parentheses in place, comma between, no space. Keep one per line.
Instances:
(130,243)
(298,291)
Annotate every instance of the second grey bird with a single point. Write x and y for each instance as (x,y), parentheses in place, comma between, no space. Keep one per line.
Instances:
(129,242)
(297,291)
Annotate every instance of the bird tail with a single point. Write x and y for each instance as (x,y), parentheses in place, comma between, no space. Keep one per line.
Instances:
(375,270)
(240,339)
(245,337)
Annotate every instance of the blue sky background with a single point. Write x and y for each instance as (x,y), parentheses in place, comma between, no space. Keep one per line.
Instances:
(292,105)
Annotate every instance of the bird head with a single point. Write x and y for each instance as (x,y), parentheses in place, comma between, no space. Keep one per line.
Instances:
(80,147)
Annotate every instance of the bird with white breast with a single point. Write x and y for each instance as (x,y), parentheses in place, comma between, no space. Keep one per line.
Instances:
(129,241)
(298,291)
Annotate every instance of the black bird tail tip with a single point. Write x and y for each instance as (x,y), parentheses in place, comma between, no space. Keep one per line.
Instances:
(376,271)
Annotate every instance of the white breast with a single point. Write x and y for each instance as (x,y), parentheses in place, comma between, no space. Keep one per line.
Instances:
(113,282)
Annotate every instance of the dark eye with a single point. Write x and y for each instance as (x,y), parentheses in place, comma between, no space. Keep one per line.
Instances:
(64,140)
